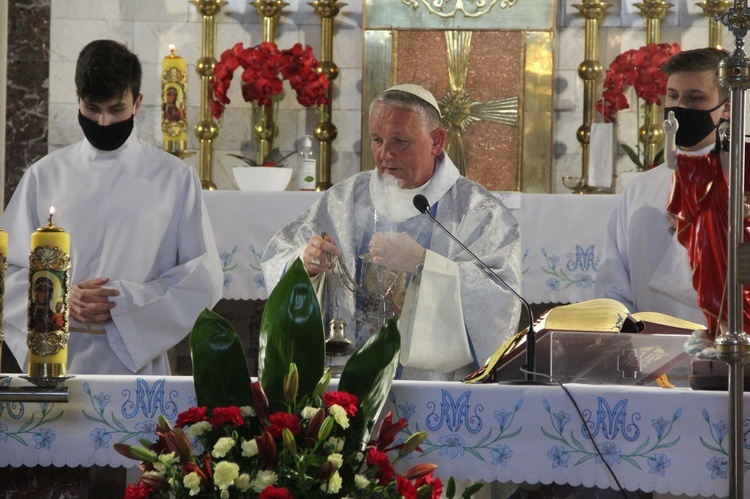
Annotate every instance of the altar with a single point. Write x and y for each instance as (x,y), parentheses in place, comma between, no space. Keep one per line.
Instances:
(561,236)
(660,440)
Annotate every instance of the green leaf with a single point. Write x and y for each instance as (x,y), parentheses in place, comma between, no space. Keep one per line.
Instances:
(291,331)
(369,374)
(633,155)
(220,373)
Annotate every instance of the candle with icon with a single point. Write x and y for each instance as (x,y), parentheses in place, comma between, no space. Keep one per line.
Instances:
(3,268)
(174,103)
(49,279)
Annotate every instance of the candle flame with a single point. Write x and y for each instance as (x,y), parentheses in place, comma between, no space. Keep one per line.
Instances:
(172,48)
(51,214)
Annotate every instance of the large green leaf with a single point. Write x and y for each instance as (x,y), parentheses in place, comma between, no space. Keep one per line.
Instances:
(291,331)
(220,373)
(369,374)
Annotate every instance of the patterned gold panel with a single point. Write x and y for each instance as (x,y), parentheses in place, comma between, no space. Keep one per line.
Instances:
(490,65)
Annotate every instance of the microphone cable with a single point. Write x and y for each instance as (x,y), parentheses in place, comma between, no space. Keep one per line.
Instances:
(583,420)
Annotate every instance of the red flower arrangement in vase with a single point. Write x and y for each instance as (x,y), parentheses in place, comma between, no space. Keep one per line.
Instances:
(264,69)
(638,68)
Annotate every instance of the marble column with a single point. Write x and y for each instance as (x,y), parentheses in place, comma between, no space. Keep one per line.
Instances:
(27,88)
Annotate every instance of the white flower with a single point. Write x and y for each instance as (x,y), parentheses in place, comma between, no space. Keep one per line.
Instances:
(164,461)
(247,411)
(199,428)
(263,479)
(224,494)
(361,481)
(249,448)
(336,459)
(243,482)
(308,412)
(339,414)
(335,444)
(193,482)
(223,445)
(334,484)
(225,473)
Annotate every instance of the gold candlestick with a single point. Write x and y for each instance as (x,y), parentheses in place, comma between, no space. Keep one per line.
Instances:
(49,279)
(265,127)
(325,131)
(712,9)
(590,71)
(651,134)
(206,129)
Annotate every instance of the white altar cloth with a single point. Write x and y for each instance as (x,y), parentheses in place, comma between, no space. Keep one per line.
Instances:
(562,236)
(655,439)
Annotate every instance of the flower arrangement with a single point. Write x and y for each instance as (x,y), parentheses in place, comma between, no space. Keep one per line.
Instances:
(264,69)
(284,435)
(638,68)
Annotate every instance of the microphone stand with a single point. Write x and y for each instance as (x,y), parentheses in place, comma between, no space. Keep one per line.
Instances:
(421,204)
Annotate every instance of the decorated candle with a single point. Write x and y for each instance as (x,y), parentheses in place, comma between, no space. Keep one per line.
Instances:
(174,103)
(3,268)
(49,278)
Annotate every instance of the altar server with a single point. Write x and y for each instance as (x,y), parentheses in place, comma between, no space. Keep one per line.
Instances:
(452,315)
(144,259)
(645,266)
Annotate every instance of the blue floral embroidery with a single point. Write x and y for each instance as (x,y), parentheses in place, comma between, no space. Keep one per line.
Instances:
(3,432)
(718,465)
(452,444)
(258,279)
(658,463)
(559,456)
(100,437)
(611,423)
(227,266)
(501,454)
(44,438)
(147,429)
(585,261)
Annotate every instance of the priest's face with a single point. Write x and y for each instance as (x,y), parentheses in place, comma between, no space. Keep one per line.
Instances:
(112,111)
(402,146)
(697,90)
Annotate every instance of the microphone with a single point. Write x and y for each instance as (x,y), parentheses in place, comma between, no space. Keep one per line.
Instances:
(421,204)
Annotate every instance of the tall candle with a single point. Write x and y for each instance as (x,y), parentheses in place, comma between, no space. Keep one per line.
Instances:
(174,103)
(49,278)
(3,268)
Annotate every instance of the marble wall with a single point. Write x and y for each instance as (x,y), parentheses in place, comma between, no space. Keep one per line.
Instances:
(148,26)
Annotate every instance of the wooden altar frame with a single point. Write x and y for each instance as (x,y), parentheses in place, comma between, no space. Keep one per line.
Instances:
(534,19)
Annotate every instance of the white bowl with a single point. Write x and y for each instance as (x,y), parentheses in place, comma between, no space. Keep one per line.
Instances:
(262,178)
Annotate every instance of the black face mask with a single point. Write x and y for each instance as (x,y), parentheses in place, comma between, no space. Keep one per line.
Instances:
(106,138)
(695,124)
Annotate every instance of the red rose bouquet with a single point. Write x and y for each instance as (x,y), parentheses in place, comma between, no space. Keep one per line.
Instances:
(284,435)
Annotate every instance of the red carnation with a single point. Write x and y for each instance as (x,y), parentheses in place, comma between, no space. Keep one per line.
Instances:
(436,486)
(346,400)
(191,416)
(405,488)
(380,459)
(224,415)
(280,420)
(272,492)
(138,491)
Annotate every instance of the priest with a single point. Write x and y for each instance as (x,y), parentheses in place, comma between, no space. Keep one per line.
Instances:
(372,254)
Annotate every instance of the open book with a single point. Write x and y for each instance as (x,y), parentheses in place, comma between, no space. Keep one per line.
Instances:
(599,317)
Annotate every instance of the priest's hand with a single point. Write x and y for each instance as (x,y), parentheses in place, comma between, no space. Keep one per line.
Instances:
(89,301)
(315,256)
(397,251)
